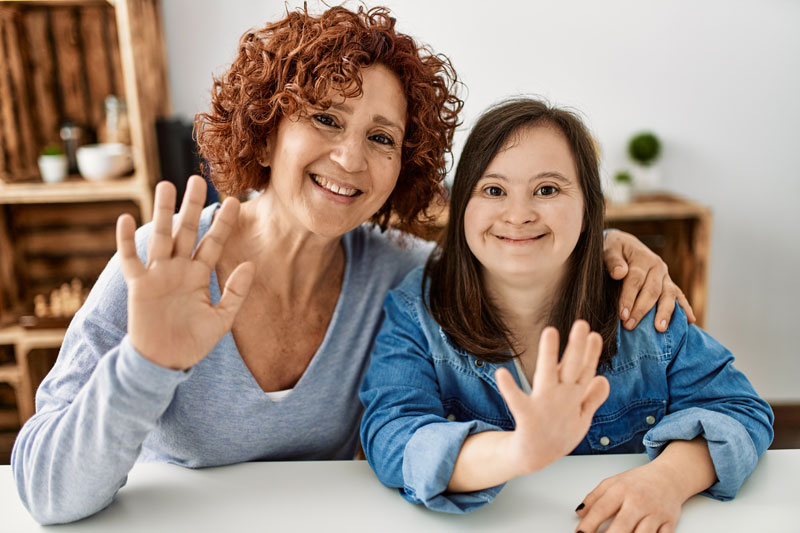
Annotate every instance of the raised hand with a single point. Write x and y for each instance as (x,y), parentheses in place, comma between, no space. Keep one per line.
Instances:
(171,320)
(554,418)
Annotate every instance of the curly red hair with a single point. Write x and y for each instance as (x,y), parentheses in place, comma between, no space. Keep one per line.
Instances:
(301,60)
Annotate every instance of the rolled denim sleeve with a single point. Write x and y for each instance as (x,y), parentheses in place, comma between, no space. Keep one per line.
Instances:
(407,439)
(711,399)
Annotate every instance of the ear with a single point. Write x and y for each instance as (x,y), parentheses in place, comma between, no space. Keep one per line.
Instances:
(263,155)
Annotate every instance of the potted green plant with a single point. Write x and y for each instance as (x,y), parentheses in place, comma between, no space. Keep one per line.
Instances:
(621,190)
(53,164)
(644,149)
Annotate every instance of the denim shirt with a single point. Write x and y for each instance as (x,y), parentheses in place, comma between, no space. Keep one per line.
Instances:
(424,395)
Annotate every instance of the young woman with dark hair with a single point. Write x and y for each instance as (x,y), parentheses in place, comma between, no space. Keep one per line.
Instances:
(454,408)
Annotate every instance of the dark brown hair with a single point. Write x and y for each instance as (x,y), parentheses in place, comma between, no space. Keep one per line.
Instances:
(301,60)
(457,298)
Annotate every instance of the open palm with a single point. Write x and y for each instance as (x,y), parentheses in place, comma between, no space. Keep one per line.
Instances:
(554,418)
(171,319)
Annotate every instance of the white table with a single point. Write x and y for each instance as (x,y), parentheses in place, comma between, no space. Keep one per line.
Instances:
(346,496)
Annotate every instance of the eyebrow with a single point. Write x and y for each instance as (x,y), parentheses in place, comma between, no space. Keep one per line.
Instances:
(378,119)
(546,174)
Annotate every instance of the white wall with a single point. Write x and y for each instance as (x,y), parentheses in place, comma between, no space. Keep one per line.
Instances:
(718,80)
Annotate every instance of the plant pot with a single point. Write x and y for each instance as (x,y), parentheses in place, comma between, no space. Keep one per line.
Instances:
(53,168)
(620,192)
(647,179)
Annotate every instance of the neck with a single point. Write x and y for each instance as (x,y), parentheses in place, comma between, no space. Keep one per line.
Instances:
(291,261)
(525,305)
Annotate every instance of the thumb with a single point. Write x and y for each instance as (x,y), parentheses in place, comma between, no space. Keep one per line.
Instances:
(236,289)
(511,393)
(596,394)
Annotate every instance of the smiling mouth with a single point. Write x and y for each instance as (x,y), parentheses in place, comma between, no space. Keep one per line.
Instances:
(519,240)
(328,185)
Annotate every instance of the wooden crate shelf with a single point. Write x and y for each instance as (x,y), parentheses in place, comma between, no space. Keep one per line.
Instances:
(59,60)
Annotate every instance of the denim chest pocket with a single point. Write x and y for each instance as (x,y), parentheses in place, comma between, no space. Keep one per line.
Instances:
(457,410)
(622,431)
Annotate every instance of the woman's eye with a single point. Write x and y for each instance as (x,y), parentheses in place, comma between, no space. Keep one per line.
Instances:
(325,119)
(380,138)
(546,190)
(493,190)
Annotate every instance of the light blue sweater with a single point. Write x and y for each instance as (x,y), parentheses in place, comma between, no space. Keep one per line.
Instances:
(104,407)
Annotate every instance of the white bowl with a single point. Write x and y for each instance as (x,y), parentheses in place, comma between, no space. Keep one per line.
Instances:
(103,161)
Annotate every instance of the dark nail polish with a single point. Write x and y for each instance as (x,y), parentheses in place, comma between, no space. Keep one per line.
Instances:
(578,508)
(580,531)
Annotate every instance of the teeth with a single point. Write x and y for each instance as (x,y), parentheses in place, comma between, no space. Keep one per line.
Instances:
(323,182)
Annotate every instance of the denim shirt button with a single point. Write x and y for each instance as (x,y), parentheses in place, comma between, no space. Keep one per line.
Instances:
(605,441)
(451,417)
(650,420)
(479,363)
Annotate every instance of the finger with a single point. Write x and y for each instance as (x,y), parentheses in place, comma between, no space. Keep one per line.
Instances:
(667,528)
(648,296)
(185,232)
(212,243)
(572,361)
(687,308)
(612,254)
(593,497)
(514,396)
(596,394)
(604,508)
(159,245)
(594,349)
(132,266)
(631,284)
(648,524)
(547,359)
(235,292)
(626,520)
(665,307)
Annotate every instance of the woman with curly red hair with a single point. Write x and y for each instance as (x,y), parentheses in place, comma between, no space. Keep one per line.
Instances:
(241,333)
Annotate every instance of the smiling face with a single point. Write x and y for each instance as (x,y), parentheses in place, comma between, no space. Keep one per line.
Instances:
(332,169)
(525,213)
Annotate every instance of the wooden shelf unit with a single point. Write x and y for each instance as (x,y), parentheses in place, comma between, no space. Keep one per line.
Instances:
(678,230)
(59,60)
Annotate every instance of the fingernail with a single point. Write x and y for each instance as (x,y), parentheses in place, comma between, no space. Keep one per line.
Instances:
(663,324)
(625,313)
(630,323)
(581,506)
(618,271)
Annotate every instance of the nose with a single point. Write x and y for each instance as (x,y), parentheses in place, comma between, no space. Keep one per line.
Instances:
(519,210)
(349,154)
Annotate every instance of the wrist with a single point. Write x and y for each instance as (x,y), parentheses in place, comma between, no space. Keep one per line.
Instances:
(520,458)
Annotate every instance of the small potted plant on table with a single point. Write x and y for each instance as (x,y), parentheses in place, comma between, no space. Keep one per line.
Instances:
(53,164)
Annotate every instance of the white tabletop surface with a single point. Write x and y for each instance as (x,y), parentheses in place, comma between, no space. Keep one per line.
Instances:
(346,496)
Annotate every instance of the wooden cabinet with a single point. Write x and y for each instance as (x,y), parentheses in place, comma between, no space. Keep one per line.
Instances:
(59,60)
(678,230)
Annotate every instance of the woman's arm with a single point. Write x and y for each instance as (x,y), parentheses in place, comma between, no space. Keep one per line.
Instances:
(649,498)
(94,410)
(407,439)
(715,419)
(108,388)
(549,423)
(645,281)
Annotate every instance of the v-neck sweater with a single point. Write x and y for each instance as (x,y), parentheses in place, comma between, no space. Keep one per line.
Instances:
(104,407)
